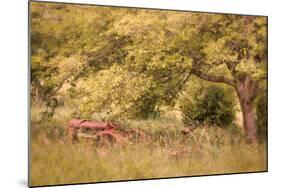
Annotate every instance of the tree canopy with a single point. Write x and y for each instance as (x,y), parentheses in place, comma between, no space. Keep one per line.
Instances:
(129,62)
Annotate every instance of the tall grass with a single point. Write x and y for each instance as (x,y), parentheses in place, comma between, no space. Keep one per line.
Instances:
(58,163)
(165,153)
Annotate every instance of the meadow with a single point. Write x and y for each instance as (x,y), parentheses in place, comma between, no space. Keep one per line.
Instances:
(168,153)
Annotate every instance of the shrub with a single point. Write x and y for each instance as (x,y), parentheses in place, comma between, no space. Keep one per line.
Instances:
(211,104)
(261,112)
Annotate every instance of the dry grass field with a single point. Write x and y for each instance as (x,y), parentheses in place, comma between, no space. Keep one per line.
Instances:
(166,153)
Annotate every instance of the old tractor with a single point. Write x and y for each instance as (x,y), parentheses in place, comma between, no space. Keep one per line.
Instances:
(103,133)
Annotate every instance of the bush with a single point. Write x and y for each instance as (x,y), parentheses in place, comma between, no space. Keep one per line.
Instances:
(211,104)
(261,112)
(145,107)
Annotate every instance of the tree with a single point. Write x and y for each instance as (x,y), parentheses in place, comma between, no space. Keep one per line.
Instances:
(227,49)
(239,44)
(68,43)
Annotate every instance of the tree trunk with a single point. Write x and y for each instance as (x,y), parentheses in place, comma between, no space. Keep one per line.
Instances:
(249,122)
(246,94)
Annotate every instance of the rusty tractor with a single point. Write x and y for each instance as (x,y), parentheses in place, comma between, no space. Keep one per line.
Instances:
(102,132)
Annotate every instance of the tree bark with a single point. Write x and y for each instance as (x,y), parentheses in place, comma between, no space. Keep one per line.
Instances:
(249,123)
(247,92)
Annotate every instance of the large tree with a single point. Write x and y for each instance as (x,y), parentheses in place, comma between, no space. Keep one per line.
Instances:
(238,46)
(229,49)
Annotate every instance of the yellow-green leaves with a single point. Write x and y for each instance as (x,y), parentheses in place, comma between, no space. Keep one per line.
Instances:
(115,91)
(128,62)
(217,52)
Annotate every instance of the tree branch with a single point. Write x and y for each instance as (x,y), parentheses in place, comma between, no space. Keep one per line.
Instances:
(211,78)
(231,67)
(179,87)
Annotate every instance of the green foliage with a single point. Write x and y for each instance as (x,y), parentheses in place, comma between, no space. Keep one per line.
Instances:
(69,43)
(211,104)
(129,63)
(117,92)
(261,112)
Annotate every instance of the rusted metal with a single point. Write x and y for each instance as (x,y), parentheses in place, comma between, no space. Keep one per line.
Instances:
(94,125)
(103,132)
(105,129)
(112,136)
(72,134)
(79,123)
(75,122)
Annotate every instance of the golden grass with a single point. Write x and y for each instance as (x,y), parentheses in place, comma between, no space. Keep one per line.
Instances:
(166,154)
